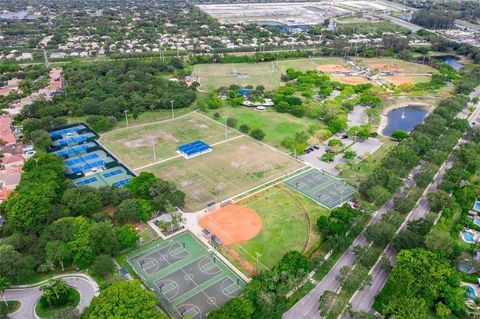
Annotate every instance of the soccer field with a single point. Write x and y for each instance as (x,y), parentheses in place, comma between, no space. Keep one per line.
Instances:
(231,168)
(135,146)
(213,76)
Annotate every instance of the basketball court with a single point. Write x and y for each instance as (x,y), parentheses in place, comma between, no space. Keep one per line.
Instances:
(187,279)
(321,187)
(233,224)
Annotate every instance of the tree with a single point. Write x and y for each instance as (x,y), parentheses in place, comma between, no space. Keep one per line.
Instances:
(127,236)
(442,311)
(380,233)
(126,300)
(257,134)
(140,185)
(127,211)
(55,292)
(440,242)
(57,251)
(13,265)
(238,308)
(337,124)
(378,195)
(4,284)
(244,128)
(166,195)
(349,155)
(82,200)
(231,121)
(337,222)
(41,139)
(439,200)
(399,135)
(103,265)
(404,204)
(103,239)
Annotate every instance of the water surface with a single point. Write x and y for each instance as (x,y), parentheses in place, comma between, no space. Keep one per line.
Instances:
(404,118)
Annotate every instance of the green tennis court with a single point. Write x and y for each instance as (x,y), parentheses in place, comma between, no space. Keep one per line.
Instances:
(187,278)
(321,187)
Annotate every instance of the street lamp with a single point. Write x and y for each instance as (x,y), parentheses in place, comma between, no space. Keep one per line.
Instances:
(171,103)
(126,117)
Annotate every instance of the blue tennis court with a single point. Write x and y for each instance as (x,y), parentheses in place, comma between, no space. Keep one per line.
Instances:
(194,149)
(113,173)
(81,159)
(66,152)
(73,140)
(122,182)
(87,167)
(87,181)
(65,131)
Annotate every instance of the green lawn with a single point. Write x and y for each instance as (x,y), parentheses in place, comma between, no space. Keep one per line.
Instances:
(276,125)
(364,27)
(13,305)
(285,226)
(48,313)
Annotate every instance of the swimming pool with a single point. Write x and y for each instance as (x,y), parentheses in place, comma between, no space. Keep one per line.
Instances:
(476,220)
(468,236)
(477,206)
(470,292)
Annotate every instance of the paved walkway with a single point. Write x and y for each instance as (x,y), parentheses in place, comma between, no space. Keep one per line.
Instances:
(28,295)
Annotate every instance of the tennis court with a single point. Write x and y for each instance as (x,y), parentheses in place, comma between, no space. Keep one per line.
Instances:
(187,279)
(321,187)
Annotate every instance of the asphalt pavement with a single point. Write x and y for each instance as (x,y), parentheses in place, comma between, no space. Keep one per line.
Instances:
(28,295)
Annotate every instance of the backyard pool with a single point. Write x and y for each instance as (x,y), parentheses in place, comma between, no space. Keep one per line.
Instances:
(468,236)
(470,292)
(476,206)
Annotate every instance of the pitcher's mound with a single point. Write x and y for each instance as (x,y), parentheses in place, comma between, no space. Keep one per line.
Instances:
(232,224)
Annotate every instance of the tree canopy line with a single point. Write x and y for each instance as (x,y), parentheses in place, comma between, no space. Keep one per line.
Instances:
(108,89)
(432,19)
(52,225)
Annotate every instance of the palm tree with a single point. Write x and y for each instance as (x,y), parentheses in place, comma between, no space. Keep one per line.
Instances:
(53,289)
(4,284)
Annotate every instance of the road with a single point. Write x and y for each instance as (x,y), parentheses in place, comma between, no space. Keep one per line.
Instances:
(363,300)
(307,307)
(29,295)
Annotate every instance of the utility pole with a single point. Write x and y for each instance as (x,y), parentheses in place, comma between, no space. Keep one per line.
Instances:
(171,103)
(154,153)
(126,117)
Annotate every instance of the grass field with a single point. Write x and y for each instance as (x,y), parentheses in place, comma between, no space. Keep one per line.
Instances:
(276,125)
(283,213)
(230,169)
(213,76)
(134,145)
(364,27)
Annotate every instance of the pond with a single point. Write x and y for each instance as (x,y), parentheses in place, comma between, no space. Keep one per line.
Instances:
(404,118)
(452,61)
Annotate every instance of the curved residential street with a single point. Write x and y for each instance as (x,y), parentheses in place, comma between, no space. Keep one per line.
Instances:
(28,295)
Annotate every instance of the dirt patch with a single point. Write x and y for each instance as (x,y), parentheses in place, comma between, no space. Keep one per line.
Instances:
(233,224)
(242,262)
(352,79)
(148,140)
(332,68)
(398,80)
(386,67)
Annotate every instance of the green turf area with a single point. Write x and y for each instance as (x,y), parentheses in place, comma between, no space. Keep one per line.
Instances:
(213,76)
(230,169)
(186,278)
(349,20)
(283,213)
(276,126)
(48,313)
(134,145)
(13,305)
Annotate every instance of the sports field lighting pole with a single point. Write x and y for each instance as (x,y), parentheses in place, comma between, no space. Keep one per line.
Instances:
(256,258)
(171,103)
(126,117)
(226,128)
(154,153)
